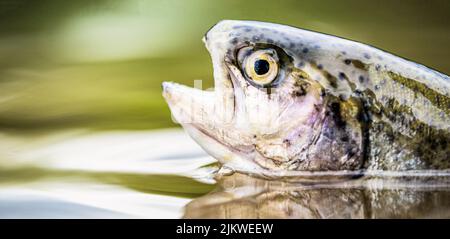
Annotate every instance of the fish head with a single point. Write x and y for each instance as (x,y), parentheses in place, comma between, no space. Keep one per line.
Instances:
(268,112)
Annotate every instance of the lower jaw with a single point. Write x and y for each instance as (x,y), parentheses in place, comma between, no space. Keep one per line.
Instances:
(239,163)
(227,156)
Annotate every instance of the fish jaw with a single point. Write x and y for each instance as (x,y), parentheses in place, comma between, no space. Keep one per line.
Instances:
(207,122)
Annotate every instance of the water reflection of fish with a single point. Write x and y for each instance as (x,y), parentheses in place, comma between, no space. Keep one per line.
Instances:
(289,100)
(241,196)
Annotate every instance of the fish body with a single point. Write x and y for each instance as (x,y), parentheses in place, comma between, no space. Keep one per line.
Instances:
(289,100)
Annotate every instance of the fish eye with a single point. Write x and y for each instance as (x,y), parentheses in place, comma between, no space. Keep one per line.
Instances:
(261,66)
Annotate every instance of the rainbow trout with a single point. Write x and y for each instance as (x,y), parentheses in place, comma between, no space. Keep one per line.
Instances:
(289,100)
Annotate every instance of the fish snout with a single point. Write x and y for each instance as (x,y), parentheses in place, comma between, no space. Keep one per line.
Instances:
(188,105)
(167,90)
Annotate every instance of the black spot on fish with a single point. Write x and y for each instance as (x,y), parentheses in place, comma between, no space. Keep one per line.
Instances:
(344,53)
(234,41)
(320,66)
(367,56)
(347,61)
(377,87)
(305,50)
(342,76)
(361,79)
(300,64)
(377,67)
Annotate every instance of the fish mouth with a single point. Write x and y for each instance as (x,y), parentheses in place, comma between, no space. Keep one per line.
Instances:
(201,109)
(203,133)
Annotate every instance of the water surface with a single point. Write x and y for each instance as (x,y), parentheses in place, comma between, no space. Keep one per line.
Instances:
(164,174)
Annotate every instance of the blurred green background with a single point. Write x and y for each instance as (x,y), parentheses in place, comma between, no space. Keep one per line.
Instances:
(99,64)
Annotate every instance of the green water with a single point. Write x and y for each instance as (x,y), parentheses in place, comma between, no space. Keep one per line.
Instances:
(126,174)
(100,64)
(96,67)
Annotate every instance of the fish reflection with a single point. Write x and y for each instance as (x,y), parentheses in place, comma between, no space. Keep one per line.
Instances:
(242,196)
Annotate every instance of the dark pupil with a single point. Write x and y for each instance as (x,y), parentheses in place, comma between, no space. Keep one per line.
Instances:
(261,67)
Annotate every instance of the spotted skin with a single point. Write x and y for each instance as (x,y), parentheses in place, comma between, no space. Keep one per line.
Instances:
(363,108)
